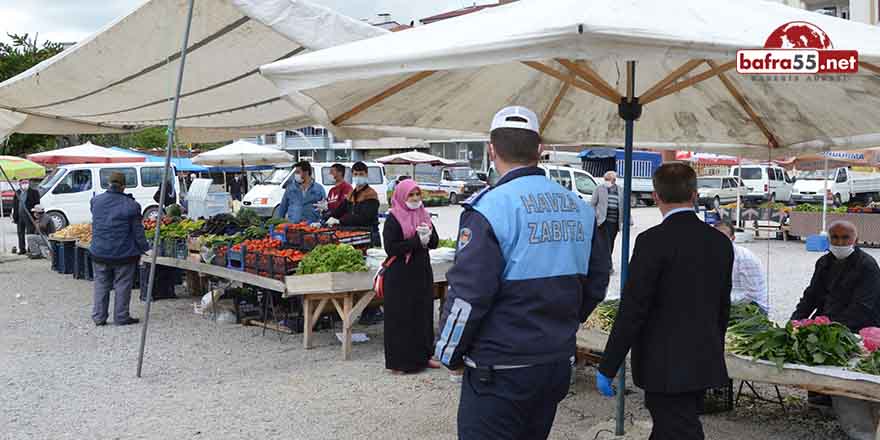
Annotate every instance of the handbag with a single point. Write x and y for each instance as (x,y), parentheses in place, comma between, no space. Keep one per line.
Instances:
(379,278)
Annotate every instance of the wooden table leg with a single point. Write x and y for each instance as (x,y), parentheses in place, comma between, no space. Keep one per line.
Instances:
(307,322)
(346,326)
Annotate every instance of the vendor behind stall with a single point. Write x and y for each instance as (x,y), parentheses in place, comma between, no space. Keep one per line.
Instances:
(301,196)
(846,283)
(361,207)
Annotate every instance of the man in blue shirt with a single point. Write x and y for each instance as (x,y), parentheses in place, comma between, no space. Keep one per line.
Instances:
(301,195)
(529,268)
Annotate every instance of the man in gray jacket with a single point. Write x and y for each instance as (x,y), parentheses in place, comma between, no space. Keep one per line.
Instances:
(606,201)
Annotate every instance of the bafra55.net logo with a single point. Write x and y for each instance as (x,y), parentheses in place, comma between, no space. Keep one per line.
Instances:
(797,47)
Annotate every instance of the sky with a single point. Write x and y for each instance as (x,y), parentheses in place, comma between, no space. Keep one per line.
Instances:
(73,20)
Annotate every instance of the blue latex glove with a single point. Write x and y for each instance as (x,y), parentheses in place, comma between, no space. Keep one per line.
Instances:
(603,384)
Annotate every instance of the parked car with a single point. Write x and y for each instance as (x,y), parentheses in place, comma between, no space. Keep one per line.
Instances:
(768,183)
(844,185)
(265,198)
(68,190)
(458,183)
(714,191)
(580,182)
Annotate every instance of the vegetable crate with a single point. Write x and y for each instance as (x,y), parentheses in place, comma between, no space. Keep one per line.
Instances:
(219,256)
(717,400)
(270,266)
(174,248)
(311,240)
(236,259)
(356,237)
(279,233)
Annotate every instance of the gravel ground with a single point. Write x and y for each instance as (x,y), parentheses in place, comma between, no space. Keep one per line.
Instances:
(62,378)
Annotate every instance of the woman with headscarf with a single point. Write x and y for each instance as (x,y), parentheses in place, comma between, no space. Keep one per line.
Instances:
(409,280)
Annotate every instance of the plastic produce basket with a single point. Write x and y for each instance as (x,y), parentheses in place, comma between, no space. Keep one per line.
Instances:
(717,400)
(817,243)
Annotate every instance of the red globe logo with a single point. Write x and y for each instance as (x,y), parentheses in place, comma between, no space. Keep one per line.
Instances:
(798,35)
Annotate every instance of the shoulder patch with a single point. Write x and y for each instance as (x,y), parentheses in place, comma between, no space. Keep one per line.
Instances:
(464,238)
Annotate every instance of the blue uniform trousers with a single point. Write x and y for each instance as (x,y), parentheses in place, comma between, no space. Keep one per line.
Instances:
(511,404)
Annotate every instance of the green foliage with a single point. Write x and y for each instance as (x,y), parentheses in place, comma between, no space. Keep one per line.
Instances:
(332,258)
(248,217)
(870,364)
(831,344)
(447,243)
(16,57)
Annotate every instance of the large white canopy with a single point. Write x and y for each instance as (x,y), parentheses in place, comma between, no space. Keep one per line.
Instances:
(565,59)
(123,76)
(85,153)
(414,158)
(243,153)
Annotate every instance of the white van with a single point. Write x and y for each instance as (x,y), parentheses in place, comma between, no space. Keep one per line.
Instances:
(66,193)
(843,184)
(265,198)
(768,183)
(578,181)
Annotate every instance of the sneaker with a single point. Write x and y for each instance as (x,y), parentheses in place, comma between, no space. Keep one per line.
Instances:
(100,323)
(128,321)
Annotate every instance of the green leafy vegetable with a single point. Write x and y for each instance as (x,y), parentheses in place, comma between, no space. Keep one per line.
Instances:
(447,243)
(870,364)
(332,258)
(603,317)
(247,217)
(831,344)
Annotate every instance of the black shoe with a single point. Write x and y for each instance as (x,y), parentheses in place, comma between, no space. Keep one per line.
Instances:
(100,323)
(128,321)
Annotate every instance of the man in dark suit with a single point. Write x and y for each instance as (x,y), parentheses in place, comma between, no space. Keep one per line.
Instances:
(22,203)
(674,310)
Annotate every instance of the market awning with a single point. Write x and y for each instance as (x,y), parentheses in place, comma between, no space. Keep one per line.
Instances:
(414,158)
(566,60)
(85,153)
(242,154)
(123,77)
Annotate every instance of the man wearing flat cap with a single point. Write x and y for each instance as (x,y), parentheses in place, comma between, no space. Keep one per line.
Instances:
(118,241)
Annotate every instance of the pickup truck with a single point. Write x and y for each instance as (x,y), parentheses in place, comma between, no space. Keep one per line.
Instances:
(844,185)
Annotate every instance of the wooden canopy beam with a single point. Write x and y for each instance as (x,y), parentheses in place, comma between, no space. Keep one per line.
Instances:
(382,96)
(673,76)
(872,67)
(589,75)
(696,79)
(569,79)
(744,103)
(551,111)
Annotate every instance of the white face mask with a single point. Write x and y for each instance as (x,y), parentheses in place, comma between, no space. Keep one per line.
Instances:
(414,205)
(25,186)
(609,183)
(842,252)
(298,178)
(359,180)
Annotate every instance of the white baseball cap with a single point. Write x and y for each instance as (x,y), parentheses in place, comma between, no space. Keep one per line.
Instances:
(513,116)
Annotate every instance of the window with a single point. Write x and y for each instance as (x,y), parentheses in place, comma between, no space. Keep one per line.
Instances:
(841,175)
(562,177)
(709,183)
(749,173)
(583,183)
(779,175)
(50,180)
(75,182)
(151,177)
(788,178)
(131,179)
(727,184)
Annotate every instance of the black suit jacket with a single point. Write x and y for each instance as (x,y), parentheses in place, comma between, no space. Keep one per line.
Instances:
(674,308)
(853,299)
(33,199)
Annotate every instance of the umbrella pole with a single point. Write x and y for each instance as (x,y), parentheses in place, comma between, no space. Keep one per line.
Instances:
(168,148)
(825,197)
(629,110)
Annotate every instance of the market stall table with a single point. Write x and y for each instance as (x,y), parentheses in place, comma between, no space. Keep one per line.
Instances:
(349,293)
(853,392)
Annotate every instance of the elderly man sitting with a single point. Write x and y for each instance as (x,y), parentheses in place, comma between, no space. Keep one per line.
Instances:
(846,283)
(749,282)
(38,247)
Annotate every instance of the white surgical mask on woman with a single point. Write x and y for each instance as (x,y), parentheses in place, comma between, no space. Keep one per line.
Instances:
(842,252)
(359,180)
(608,183)
(414,205)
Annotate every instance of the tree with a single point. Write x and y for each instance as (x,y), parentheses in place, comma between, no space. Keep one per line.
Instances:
(17,57)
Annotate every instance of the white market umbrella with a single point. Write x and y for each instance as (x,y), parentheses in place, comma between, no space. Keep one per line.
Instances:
(575,63)
(415,158)
(85,153)
(243,153)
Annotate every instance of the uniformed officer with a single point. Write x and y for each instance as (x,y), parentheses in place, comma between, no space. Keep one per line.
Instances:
(528,270)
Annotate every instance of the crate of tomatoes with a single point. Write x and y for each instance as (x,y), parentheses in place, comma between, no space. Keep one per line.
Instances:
(356,237)
(276,263)
(304,237)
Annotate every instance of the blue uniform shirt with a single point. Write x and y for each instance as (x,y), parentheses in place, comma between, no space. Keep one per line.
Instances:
(528,270)
(297,205)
